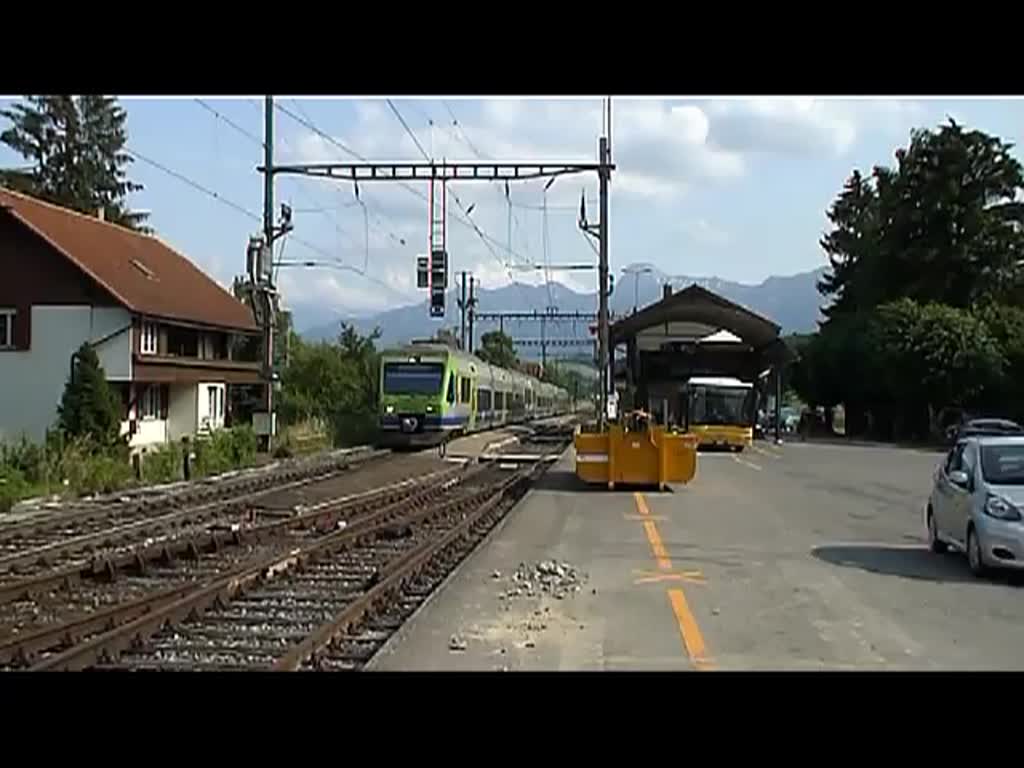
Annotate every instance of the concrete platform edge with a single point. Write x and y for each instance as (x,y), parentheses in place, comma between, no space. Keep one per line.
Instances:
(399,636)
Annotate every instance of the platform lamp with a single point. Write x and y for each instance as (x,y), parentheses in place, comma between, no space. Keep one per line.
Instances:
(636,271)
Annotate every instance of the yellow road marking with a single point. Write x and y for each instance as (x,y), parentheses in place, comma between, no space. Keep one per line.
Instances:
(651,577)
(746,463)
(657,546)
(641,504)
(693,640)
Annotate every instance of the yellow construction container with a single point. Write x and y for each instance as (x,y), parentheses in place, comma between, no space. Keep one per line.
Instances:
(646,456)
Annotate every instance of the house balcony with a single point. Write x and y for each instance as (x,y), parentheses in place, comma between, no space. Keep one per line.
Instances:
(172,369)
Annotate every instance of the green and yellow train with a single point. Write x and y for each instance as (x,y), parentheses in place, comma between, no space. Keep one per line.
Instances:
(430,393)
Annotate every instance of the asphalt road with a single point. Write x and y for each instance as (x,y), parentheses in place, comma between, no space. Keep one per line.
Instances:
(804,557)
(814,556)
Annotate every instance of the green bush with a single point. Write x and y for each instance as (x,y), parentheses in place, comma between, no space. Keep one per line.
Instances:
(355,428)
(88,469)
(29,458)
(13,487)
(225,450)
(162,464)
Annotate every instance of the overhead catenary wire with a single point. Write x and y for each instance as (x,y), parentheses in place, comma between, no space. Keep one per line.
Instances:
(245,132)
(457,124)
(259,142)
(409,188)
(305,121)
(409,130)
(465,210)
(241,209)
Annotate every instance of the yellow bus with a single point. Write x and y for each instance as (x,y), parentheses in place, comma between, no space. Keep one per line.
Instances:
(720,411)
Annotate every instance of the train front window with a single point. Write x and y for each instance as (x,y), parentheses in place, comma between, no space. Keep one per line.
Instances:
(721,406)
(413,378)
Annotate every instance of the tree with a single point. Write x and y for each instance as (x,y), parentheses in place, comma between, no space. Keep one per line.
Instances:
(1006,325)
(76,147)
(449,337)
(497,349)
(923,259)
(89,407)
(851,246)
(335,383)
(943,226)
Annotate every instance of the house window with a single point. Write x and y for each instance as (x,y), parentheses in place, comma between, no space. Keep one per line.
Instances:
(151,405)
(149,338)
(220,403)
(7,328)
(211,403)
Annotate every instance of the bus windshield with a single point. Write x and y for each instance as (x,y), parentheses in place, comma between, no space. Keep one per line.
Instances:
(721,405)
(413,378)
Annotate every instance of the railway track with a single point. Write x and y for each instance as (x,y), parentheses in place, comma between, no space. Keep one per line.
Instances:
(40,617)
(319,590)
(77,536)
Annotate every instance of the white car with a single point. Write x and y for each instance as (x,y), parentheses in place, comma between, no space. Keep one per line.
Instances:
(977,502)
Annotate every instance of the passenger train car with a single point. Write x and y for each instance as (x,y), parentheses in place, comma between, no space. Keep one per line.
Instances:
(431,392)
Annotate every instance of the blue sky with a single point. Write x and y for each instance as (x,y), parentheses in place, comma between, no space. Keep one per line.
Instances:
(732,188)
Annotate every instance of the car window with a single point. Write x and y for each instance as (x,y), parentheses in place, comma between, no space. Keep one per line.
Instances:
(968,460)
(1003,464)
(953,462)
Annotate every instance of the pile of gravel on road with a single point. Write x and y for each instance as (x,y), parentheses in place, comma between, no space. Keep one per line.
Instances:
(548,577)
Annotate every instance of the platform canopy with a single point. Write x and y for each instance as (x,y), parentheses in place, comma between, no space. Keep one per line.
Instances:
(694,332)
(692,315)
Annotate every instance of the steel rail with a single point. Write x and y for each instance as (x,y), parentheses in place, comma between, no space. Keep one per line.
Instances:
(109,644)
(320,516)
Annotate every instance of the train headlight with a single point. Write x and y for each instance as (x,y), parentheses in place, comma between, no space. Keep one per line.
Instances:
(389,409)
(430,409)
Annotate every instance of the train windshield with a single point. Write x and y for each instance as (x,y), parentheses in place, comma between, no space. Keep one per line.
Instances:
(721,405)
(413,378)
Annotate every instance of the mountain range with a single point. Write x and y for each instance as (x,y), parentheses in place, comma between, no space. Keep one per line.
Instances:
(791,301)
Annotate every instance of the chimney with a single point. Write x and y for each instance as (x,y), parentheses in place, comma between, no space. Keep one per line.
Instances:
(666,290)
(101,214)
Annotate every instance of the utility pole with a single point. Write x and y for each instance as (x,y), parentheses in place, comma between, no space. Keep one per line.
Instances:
(268,244)
(472,310)
(602,320)
(543,343)
(462,311)
(259,289)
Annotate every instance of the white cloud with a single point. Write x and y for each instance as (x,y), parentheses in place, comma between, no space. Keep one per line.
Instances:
(704,232)
(663,150)
(797,125)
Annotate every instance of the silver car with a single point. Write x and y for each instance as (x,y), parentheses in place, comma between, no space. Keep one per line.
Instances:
(977,502)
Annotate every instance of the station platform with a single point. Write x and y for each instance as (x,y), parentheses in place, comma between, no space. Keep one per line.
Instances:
(472,446)
(613,613)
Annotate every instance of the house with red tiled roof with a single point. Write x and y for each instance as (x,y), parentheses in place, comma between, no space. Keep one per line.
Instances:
(166,334)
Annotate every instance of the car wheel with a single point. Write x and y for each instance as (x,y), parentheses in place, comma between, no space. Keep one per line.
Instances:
(937,545)
(974,558)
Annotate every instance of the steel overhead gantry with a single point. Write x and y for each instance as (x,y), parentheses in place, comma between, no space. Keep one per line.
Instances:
(455,171)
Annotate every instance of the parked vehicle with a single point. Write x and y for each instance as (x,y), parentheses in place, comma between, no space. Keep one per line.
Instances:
(977,502)
(720,411)
(983,427)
